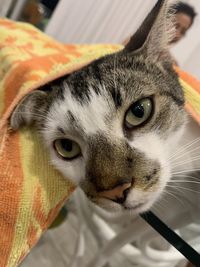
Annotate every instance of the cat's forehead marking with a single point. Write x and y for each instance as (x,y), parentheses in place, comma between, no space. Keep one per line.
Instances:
(94,76)
(89,117)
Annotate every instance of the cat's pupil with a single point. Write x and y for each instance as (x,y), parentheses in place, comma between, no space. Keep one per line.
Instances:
(66,145)
(138,110)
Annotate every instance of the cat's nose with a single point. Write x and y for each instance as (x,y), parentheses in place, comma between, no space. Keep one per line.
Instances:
(117,194)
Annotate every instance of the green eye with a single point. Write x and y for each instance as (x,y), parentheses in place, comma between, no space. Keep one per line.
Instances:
(139,112)
(67,149)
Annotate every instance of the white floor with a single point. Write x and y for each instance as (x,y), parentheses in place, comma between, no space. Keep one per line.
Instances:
(56,247)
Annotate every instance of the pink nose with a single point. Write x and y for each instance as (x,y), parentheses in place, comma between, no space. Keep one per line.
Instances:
(117,194)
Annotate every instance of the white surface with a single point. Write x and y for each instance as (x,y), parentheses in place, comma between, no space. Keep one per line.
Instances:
(111,21)
(4,7)
(17,9)
(97,21)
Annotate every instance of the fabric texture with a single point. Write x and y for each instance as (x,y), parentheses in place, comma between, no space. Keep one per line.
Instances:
(191,88)
(31,190)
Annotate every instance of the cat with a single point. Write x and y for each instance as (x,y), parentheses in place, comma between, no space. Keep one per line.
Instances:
(112,126)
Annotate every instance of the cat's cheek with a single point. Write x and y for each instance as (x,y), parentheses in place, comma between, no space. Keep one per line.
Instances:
(151,145)
(175,139)
(165,176)
(72,170)
(156,149)
(141,201)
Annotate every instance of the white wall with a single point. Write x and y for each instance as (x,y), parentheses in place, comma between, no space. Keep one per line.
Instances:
(187,51)
(96,21)
(111,21)
(4,7)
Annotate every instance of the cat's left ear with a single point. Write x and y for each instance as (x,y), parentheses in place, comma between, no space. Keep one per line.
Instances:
(155,33)
(29,110)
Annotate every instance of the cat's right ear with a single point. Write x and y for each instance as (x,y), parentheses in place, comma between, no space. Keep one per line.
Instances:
(155,33)
(28,110)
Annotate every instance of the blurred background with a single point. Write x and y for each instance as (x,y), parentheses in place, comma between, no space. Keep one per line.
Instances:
(101,21)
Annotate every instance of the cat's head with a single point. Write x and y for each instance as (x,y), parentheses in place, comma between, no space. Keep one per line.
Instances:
(111,126)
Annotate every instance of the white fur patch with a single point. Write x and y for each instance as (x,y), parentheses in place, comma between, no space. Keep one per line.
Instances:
(151,145)
(156,149)
(186,155)
(90,116)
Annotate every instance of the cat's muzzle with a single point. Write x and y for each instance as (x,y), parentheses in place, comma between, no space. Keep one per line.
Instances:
(118,194)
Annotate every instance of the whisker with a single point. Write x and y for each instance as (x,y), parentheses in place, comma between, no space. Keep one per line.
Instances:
(184,188)
(187,161)
(184,147)
(179,163)
(163,200)
(183,181)
(174,196)
(186,176)
(186,171)
(188,152)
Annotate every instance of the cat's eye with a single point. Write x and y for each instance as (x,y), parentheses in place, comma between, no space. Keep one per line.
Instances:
(67,148)
(138,113)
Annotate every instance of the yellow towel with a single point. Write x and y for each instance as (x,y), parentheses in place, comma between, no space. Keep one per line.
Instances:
(191,88)
(31,191)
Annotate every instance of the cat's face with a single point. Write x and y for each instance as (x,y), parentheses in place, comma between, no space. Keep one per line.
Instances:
(113,134)
(111,127)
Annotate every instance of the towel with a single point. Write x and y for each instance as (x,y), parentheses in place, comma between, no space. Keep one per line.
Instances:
(191,87)
(31,191)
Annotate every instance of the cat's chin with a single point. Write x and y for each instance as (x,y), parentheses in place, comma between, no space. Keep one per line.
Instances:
(114,207)
(138,208)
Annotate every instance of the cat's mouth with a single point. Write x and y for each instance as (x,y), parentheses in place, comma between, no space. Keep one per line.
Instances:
(123,197)
(136,207)
(114,206)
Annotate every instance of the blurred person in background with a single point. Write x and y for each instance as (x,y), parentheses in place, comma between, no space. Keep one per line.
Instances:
(184,15)
(38,12)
